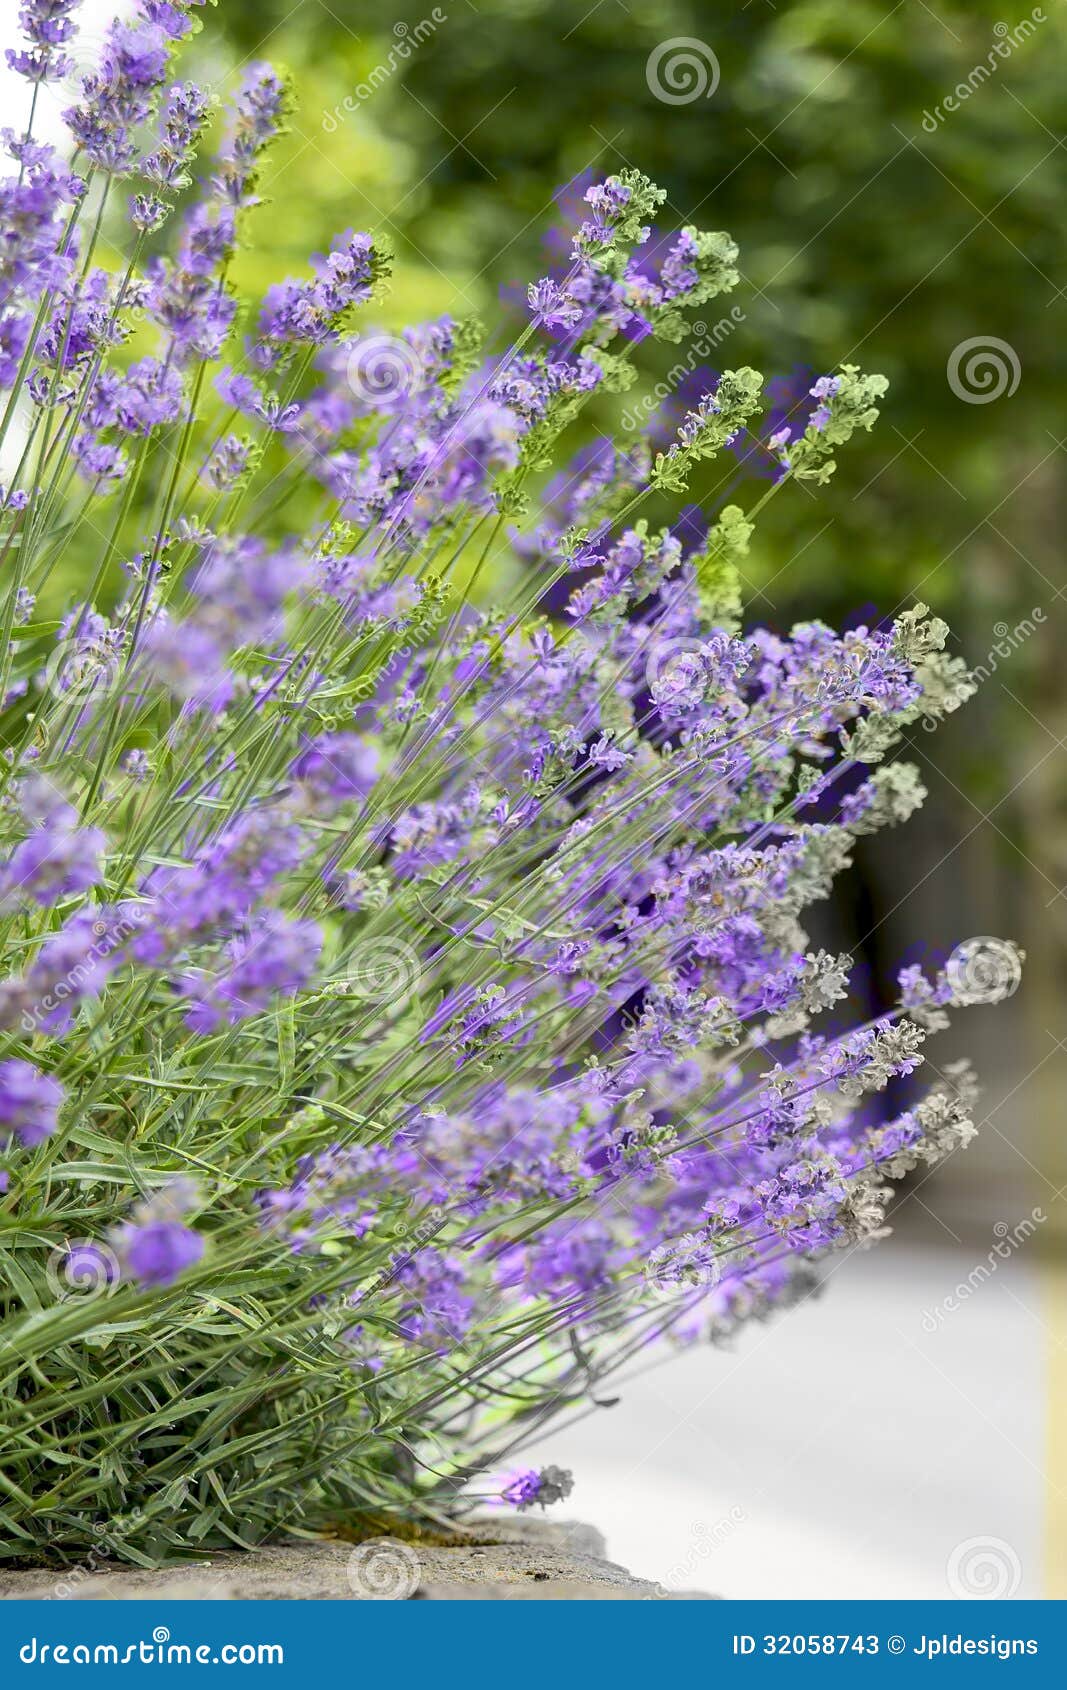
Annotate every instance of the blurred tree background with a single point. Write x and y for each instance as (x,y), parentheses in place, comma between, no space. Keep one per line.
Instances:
(895,176)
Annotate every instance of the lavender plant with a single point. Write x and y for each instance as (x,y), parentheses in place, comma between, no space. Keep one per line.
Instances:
(408,1016)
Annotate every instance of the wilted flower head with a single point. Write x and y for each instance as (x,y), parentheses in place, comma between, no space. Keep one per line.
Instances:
(551,1484)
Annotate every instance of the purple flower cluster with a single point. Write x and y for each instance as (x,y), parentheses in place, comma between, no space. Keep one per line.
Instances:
(608,290)
(461,944)
(310,313)
(47,26)
(551,1484)
(159,1252)
(155,1247)
(122,93)
(271,958)
(29,1102)
(35,256)
(58,857)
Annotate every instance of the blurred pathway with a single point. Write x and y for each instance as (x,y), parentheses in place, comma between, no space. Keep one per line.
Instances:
(874,1442)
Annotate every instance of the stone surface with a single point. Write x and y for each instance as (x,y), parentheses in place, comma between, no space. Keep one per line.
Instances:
(517,1560)
(555,1590)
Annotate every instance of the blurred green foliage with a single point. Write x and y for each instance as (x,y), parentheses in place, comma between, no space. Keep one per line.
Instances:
(864,234)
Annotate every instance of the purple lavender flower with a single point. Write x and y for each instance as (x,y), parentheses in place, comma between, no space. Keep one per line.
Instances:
(48,26)
(483,440)
(14,336)
(219,888)
(522,1491)
(120,94)
(592,829)
(157,1253)
(88,1268)
(31,222)
(273,959)
(190,661)
(240,589)
(437,1309)
(29,1102)
(552,307)
(252,400)
(150,395)
(257,117)
(230,462)
(72,967)
(336,769)
(58,857)
(83,324)
(311,313)
(185,295)
(551,1484)
(103,464)
(181,122)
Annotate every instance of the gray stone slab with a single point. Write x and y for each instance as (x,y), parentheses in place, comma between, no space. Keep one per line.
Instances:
(517,1560)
